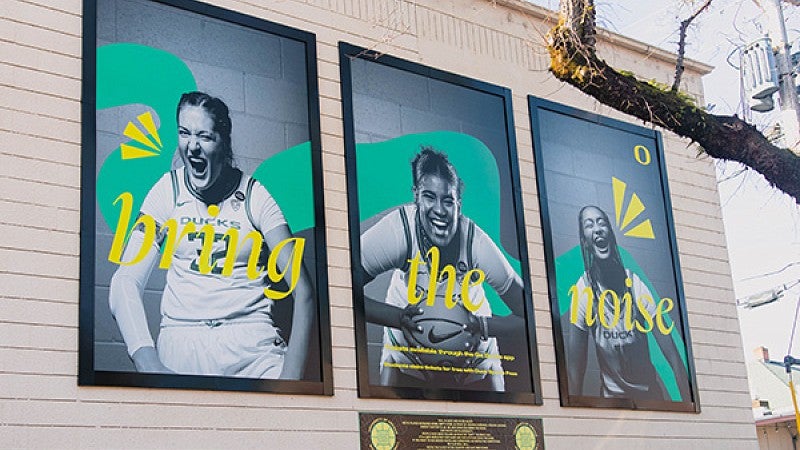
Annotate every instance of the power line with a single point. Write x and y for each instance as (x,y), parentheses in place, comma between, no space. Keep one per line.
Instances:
(794,326)
(772,273)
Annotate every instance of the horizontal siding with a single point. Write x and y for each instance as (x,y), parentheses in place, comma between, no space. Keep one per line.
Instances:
(40,402)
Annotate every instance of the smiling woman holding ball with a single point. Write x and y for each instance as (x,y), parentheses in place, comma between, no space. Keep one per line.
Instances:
(438,260)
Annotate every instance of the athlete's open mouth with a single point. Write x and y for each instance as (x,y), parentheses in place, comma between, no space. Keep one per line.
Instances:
(601,244)
(199,165)
(439,226)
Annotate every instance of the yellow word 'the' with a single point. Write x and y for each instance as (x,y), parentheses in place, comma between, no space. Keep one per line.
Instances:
(172,234)
(447,271)
(665,305)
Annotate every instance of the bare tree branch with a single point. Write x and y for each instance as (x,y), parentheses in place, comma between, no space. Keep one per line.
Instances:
(579,18)
(573,59)
(682,45)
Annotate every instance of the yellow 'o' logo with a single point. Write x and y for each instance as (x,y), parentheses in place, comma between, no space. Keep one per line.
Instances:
(642,154)
(382,435)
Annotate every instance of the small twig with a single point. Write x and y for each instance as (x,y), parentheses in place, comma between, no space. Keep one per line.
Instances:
(682,45)
(388,37)
(653,118)
(732,176)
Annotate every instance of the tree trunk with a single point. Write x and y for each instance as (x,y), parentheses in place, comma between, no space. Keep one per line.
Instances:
(573,59)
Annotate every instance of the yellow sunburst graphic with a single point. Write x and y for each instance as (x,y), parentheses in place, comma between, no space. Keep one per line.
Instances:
(635,207)
(132,131)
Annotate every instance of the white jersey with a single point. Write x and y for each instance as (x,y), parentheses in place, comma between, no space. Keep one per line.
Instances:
(190,294)
(394,239)
(623,355)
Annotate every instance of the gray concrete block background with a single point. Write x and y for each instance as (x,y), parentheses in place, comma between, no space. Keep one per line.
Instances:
(584,156)
(389,103)
(260,76)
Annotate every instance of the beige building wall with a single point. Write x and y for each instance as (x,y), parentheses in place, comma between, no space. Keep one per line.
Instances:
(499,42)
(781,436)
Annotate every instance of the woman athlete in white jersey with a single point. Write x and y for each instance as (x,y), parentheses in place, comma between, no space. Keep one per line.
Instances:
(435,220)
(622,346)
(213,321)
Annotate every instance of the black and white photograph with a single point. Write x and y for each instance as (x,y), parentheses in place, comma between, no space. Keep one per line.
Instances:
(203,250)
(616,295)
(441,286)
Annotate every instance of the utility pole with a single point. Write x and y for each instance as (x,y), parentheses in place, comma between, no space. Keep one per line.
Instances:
(788,362)
(790,110)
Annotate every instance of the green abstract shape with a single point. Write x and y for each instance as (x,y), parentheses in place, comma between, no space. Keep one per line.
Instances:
(569,267)
(288,178)
(391,161)
(136,74)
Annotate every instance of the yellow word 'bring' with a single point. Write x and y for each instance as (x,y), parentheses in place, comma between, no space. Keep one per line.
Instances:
(172,234)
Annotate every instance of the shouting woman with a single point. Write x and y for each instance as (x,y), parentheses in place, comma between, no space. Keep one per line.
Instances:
(621,343)
(216,316)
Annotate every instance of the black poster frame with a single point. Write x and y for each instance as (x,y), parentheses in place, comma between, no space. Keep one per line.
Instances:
(349,53)
(88,375)
(657,153)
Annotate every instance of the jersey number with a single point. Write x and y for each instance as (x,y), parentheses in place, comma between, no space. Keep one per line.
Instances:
(216,258)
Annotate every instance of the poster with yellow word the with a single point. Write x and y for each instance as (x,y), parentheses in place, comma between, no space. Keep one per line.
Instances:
(440,267)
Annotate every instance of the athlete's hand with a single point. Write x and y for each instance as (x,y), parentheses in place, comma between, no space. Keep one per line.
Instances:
(146,360)
(407,324)
(477,326)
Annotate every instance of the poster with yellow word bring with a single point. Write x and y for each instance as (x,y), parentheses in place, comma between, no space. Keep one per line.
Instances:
(202,239)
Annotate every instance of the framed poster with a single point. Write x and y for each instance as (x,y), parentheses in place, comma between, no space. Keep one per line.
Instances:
(442,294)
(202,233)
(616,294)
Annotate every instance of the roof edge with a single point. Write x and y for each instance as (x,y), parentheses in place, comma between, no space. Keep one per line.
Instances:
(776,419)
(612,37)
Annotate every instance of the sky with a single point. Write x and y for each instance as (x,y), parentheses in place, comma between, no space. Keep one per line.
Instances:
(762,225)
